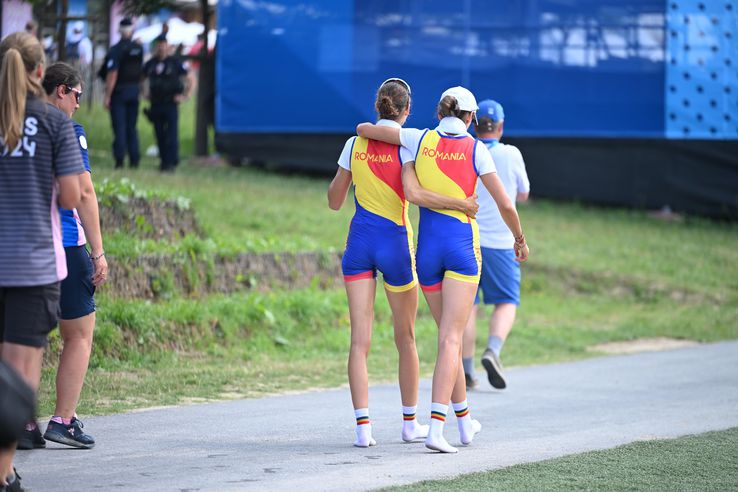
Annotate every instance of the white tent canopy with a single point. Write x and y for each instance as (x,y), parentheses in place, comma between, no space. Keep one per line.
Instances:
(180,32)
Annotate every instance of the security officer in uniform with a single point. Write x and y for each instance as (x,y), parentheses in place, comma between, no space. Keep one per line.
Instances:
(123,65)
(166,89)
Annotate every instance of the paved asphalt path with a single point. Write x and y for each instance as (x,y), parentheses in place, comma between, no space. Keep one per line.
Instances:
(303,441)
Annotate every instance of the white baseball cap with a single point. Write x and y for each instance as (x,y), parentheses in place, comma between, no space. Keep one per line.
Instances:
(466,100)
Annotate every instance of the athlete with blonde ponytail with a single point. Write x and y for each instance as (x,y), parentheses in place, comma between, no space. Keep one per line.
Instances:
(39,170)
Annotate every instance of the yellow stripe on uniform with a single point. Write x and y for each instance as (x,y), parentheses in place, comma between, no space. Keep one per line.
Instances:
(469,279)
(402,288)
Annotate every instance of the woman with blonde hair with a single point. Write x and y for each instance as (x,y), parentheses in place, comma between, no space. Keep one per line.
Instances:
(39,168)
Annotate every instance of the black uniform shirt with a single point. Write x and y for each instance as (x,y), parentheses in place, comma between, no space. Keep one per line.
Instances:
(165,78)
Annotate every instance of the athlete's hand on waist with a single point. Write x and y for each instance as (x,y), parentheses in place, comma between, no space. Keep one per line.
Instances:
(471,206)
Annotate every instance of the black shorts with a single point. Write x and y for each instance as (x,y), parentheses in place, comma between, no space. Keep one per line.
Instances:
(77,290)
(28,314)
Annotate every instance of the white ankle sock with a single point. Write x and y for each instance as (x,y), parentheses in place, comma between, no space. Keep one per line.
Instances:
(467,426)
(435,439)
(411,429)
(363,429)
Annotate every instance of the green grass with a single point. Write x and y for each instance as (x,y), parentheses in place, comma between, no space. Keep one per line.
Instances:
(703,462)
(173,350)
(252,210)
(96,121)
(595,276)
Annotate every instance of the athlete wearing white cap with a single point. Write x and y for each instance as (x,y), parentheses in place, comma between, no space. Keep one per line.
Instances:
(448,161)
(500,279)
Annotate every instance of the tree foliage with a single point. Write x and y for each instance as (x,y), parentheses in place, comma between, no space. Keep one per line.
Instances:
(144,7)
(129,7)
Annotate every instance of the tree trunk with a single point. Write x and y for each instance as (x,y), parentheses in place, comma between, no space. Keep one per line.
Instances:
(62,35)
(203,88)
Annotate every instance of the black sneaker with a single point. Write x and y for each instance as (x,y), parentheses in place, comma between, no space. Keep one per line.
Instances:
(14,486)
(471,382)
(71,435)
(31,439)
(492,365)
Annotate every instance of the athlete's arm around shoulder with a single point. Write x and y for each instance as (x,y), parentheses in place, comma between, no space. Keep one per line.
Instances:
(421,197)
(386,134)
(338,189)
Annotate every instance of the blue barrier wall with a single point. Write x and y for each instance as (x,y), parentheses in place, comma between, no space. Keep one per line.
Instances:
(702,69)
(617,102)
(590,68)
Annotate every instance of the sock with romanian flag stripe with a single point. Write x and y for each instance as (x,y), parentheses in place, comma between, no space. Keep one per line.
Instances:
(468,427)
(363,429)
(411,429)
(435,439)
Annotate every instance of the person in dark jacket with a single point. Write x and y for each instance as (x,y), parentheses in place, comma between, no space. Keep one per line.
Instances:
(169,83)
(122,76)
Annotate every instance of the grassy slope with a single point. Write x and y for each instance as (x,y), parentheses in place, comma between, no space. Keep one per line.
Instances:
(703,462)
(595,276)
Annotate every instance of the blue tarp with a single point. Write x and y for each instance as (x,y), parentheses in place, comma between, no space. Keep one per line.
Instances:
(574,68)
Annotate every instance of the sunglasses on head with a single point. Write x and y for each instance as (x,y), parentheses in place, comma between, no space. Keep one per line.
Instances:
(77,93)
(399,81)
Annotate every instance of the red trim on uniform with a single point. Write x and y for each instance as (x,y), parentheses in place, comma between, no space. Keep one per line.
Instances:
(358,276)
(459,171)
(391,171)
(431,288)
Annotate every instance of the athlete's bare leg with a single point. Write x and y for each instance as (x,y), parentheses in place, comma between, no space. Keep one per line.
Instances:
(361,295)
(404,307)
(73,362)
(470,335)
(450,309)
(503,318)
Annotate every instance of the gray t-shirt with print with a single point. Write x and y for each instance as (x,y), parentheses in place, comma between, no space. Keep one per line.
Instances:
(31,251)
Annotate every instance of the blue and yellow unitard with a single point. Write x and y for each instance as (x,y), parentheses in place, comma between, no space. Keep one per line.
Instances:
(380,235)
(448,240)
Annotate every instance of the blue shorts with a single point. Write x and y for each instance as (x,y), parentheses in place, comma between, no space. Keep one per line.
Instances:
(387,249)
(77,290)
(500,281)
(447,248)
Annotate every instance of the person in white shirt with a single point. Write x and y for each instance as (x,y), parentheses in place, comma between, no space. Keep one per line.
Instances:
(78,46)
(500,278)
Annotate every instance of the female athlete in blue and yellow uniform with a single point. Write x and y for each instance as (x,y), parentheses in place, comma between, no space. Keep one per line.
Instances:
(448,161)
(381,239)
